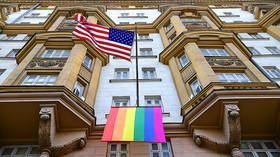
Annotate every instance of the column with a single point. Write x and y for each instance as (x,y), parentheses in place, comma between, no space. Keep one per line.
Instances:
(253,69)
(92,19)
(179,83)
(57,22)
(177,24)
(163,36)
(274,31)
(93,85)
(13,77)
(204,72)
(70,71)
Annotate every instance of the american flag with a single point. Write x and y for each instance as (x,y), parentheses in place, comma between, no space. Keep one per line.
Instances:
(112,41)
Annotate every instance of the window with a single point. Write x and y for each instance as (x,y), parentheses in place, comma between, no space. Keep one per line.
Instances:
(7,37)
(273,50)
(121,101)
(228,13)
(144,37)
(278,25)
(256,36)
(254,51)
(52,53)
(149,73)
(118,150)
(183,60)
(153,101)
(35,14)
(124,23)
(87,62)
(214,52)
(260,148)
(272,71)
(160,150)
(2,71)
(121,73)
(79,89)
(27,37)
(146,51)
(168,27)
(13,53)
(140,14)
(195,86)
(39,80)
(70,21)
(22,150)
(233,77)
(124,14)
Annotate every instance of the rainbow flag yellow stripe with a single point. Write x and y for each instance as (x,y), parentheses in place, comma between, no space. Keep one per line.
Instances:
(134,124)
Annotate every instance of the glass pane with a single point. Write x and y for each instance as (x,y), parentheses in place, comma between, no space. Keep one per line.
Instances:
(164,146)
(65,54)
(269,145)
(123,154)
(155,154)
(113,147)
(244,146)
(248,154)
(262,154)
(7,151)
(165,154)
(154,146)
(123,147)
(113,155)
(275,154)
(21,150)
(35,150)
(256,145)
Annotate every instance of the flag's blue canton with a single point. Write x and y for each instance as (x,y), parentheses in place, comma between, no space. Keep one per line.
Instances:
(121,36)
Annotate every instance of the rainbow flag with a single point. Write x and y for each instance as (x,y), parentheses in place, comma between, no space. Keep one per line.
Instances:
(134,124)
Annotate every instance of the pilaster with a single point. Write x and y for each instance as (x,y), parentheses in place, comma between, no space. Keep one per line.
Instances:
(213,26)
(163,36)
(177,24)
(274,31)
(57,22)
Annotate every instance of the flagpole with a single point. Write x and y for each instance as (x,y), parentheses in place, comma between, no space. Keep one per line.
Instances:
(136,57)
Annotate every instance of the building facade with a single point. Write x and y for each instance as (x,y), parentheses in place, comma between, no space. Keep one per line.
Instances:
(212,66)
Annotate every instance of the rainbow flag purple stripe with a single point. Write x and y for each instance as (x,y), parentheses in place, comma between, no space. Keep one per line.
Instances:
(134,124)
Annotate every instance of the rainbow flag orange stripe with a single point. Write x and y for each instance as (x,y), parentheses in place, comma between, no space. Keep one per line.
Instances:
(134,124)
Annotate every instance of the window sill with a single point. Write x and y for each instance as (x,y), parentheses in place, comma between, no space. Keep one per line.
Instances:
(134,80)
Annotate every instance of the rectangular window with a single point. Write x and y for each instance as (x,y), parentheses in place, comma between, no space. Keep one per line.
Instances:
(27,37)
(79,89)
(260,148)
(273,50)
(254,51)
(121,73)
(124,23)
(153,100)
(117,150)
(39,80)
(146,51)
(140,14)
(149,73)
(233,77)
(124,14)
(35,15)
(2,71)
(195,86)
(8,37)
(255,36)
(87,62)
(160,150)
(214,52)
(144,37)
(272,71)
(121,101)
(53,53)
(13,53)
(168,27)
(21,150)
(183,60)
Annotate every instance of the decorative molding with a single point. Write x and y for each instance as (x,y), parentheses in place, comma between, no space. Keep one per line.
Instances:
(85,73)
(78,143)
(187,72)
(44,137)
(46,63)
(225,62)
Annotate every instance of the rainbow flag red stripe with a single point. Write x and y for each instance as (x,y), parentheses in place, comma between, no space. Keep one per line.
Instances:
(134,124)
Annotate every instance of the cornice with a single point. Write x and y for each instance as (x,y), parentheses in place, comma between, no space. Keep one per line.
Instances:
(56,39)
(176,47)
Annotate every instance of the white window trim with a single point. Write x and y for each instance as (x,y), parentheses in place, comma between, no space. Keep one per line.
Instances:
(160,151)
(235,76)
(37,77)
(214,52)
(122,72)
(121,99)
(118,151)
(148,72)
(54,53)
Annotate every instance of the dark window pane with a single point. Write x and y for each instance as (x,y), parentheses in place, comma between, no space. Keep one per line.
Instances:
(244,146)
(123,154)
(164,146)
(123,147)
(165,154)
(256,145)
(269,145)
(113,147)
(21,150)
(113,155)
(154,146)
(155,154)
(35,150)
(7,151)
(248,154)
(275,154)
(262,154)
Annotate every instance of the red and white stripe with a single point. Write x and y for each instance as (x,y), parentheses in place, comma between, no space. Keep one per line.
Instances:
(99,36)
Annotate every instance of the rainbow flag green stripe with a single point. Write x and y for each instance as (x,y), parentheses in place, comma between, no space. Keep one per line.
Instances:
(134,124)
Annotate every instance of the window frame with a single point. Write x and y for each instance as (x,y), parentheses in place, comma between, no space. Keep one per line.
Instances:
(2,71)
(181,61)
(12,52)
(149,75)
(84,85)
(264,148)
(254,51)
(122,72)
(146,51)
(236,76)
(25,81)
(273,50)
(270,73)
(194,92)
(121,100)
(118,151)
(214,52)
(53,54)
(89,67)
(159,150)
(15,149)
